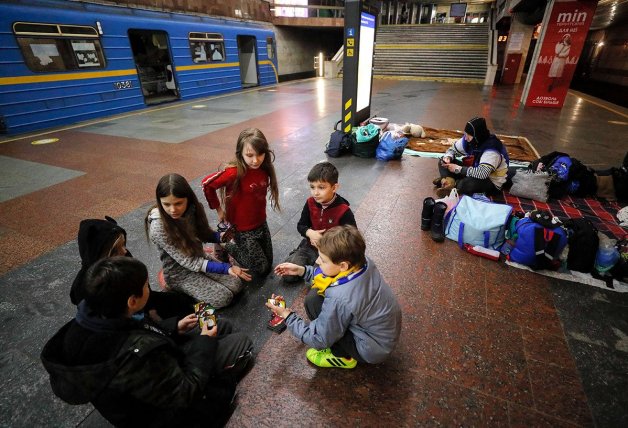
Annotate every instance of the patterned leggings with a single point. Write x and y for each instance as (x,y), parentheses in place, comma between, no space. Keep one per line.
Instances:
(253,250)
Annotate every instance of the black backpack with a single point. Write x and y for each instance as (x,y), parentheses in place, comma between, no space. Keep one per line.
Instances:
(620,180)
(583,244)
(340,142)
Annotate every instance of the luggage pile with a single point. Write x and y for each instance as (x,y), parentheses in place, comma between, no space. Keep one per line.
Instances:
(535,239)
(375,139)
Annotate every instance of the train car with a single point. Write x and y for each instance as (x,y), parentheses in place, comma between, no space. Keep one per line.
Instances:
(63,62)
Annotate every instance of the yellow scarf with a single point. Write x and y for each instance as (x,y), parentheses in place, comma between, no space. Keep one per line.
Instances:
(321,282)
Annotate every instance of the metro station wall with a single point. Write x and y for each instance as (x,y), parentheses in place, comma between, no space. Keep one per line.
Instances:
(609,62)
(246,9)
(297,47)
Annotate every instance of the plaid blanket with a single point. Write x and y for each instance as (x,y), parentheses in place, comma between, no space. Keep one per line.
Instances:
(601,214)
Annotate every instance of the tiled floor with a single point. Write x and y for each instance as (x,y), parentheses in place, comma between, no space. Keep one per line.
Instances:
(482,343)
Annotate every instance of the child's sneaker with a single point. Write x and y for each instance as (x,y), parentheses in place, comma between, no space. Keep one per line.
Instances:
(326,359)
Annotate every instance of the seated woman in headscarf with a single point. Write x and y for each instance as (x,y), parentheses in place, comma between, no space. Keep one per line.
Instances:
(484,173)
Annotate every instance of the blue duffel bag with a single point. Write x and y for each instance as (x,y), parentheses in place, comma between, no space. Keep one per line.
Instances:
(477,222)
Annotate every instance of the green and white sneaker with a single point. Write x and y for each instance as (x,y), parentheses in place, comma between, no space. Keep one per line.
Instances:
(326,359)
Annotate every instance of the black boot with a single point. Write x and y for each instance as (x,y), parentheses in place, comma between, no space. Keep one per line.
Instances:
(438,228)
(426,214)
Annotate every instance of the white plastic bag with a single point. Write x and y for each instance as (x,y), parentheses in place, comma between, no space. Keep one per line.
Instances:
(451,200)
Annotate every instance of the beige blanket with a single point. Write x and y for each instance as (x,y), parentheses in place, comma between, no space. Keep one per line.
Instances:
(439,140)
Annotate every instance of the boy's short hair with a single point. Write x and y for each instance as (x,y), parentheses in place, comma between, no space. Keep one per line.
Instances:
(110,282)
(343,244)
(325,172)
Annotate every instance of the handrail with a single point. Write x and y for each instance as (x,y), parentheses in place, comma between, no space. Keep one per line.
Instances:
(340,54)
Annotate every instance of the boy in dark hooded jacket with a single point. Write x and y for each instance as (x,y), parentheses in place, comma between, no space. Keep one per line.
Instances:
(99,239)
(132,370)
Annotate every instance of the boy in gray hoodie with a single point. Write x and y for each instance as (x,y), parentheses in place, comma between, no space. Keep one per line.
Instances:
(354,314)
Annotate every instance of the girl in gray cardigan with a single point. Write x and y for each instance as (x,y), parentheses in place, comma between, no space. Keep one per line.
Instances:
(178,226)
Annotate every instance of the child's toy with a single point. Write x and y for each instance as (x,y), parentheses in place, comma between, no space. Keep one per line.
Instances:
(205,314)
(276,323)
(228,231)
(416,131)
(277,302)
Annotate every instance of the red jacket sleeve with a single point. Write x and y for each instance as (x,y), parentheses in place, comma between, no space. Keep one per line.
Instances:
(215,181)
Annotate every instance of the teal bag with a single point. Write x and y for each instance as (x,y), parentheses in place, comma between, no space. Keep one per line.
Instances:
(367,140)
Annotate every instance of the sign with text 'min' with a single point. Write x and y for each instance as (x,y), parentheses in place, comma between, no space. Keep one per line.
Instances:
(559,50)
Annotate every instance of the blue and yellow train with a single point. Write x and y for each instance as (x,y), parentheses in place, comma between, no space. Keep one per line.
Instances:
(63,62)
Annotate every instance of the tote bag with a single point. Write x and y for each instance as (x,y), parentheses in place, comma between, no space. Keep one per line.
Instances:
(367,140)
(477,223)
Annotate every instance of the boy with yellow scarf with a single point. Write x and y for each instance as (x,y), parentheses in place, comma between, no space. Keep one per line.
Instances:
(354,314)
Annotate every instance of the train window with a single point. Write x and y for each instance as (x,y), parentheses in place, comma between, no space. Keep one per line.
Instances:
(270,47)
(39,29)
(207,47)
(71,47)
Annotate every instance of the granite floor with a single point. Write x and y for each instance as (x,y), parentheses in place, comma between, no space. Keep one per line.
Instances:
(483,344)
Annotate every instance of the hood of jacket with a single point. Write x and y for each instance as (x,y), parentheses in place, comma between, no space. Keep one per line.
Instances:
(75,384)
(94,236)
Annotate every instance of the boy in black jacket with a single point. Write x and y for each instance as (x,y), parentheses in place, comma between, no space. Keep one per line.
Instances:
(134,371)
(323,210)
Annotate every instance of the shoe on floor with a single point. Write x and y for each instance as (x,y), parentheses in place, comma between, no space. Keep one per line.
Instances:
(326,359)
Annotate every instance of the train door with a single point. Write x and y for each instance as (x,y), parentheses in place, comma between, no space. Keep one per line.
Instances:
(247,54)
(154,65)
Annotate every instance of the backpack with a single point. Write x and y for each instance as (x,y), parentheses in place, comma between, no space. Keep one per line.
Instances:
(570,176)
(583,244)
(537,246)
(340,142)
(367,140)
(620,181)
(560,167)
(477,223)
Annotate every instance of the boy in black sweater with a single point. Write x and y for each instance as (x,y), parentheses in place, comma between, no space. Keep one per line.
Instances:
(323,210)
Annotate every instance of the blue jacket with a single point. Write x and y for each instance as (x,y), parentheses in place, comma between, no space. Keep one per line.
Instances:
(366,306)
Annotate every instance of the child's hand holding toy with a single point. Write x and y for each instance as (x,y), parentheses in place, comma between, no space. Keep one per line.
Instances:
(277,304)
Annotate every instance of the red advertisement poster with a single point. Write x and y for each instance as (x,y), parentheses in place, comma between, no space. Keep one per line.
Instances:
(562,43)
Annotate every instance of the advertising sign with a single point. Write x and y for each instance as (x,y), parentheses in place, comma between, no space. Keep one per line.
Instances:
(365,62)
(558,52)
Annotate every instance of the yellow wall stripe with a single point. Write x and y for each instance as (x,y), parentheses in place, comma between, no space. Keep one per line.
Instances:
(348,128)
(430,79)
(348,103)
(461,47)
(347,117)
(41,78)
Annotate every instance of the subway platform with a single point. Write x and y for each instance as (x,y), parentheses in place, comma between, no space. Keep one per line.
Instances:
(483,344)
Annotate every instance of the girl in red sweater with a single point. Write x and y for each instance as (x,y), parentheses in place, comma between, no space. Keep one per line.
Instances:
(245,183)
